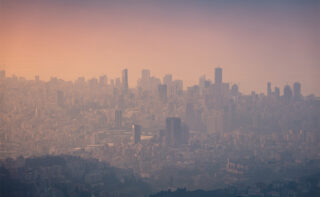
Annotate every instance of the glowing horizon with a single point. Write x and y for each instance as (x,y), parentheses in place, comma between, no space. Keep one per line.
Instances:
(253,42)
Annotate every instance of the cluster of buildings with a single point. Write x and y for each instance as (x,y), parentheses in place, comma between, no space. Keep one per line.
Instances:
(196,134)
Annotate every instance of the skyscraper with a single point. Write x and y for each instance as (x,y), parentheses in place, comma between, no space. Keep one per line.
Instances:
(175,133)
(276,92)
(173,125)
(287,93)
(218,75)
(125,85)
(296,90)
(269,91)
(136,133)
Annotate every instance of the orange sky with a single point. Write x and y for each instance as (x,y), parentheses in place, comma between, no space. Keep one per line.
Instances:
(253,43)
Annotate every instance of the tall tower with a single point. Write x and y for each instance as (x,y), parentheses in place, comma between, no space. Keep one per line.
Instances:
(297,90)
(218,75)
(173,126)
(175,133)
(136,133)
(287,93)
(269,89)
(125,80)
(276,92)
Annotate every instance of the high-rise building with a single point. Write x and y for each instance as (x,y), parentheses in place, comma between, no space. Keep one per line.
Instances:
(103,80)
(277,92)
(118,83)
(136,133)
(80,81)
(189,117)
(112,83)
(234,90)
(145,75)
(202,81)
(167,79)
(162,90)
(193,117)
(297,91)
(218,75)
(144,83)
(175,133)
(125,85)
(118,119)
(173,125)
(215,121)
(287,93)
(93,82)
(269,91)
(193,92)
(176,88)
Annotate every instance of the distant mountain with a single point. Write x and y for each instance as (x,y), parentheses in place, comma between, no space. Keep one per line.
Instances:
(67,176)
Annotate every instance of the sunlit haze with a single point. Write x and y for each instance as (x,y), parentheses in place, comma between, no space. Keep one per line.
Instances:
(160,98)
(253,41)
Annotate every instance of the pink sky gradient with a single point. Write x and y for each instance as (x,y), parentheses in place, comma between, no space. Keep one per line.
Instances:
(253,43)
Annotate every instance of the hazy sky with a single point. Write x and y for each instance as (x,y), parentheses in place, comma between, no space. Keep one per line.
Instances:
(253,41)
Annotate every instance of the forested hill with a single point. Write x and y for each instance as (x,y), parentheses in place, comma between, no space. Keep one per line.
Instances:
(75,176)
(308,186)
(67,176)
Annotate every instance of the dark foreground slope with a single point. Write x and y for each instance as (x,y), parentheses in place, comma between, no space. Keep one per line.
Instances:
(67,176)
(304,187)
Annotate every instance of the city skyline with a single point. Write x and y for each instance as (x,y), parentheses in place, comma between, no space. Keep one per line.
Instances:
(252,41)
(208,136)
(218,78)
(160,98)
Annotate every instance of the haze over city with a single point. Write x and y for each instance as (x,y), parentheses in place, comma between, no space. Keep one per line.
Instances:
(254,42)
(163,98)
